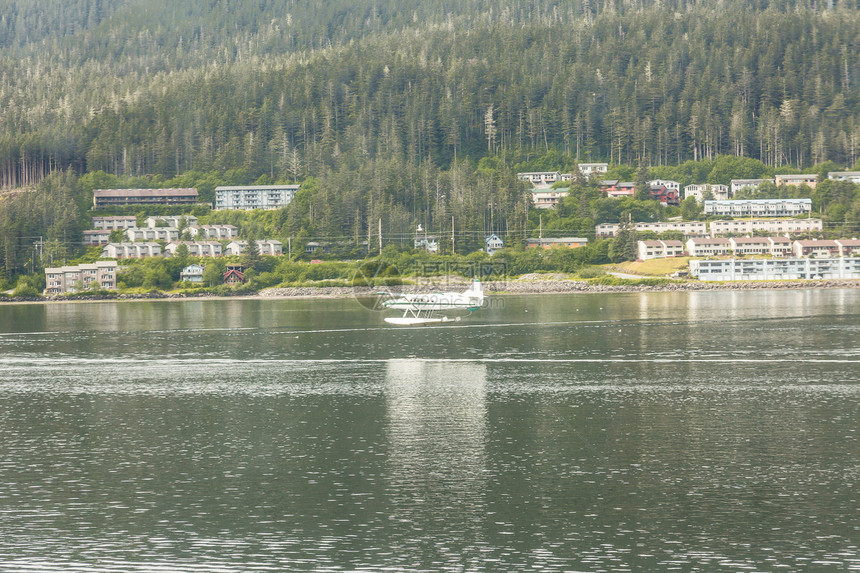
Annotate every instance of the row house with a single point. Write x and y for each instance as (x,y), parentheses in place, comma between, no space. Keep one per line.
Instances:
(96,237)
(816,248)
(556,243)
(698,191)
(117,197)
(196,248)
(117,222)
(131,250)
(708,246)
(654,249)
(810,180)
(264,247)
(244,197)
(736,185)
(221,232)
(166,234)
(548,197)
(540,178)
(689,228)
(171,221)
(759,207)
(852,176)
(773,246)
(68,279)
(765,226)
(775,269)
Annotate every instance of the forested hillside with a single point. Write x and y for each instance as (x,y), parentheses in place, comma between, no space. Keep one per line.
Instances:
(390,106)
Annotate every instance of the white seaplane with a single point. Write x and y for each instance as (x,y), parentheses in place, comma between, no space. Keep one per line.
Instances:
(424,308)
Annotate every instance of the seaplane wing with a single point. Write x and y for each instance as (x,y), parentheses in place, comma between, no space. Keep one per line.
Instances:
(422,308)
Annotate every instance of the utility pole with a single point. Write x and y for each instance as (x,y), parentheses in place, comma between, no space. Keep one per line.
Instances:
(453,246)
(380,235)
(289,247)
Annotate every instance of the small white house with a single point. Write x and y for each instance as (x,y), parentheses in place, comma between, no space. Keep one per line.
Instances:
(493,243)
(192,273)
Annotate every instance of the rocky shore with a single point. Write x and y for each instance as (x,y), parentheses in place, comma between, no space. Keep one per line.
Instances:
(529,284)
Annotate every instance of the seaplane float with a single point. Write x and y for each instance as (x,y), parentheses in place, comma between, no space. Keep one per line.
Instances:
(426,308)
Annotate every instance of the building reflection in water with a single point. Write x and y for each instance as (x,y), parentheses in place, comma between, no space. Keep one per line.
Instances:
(437,427)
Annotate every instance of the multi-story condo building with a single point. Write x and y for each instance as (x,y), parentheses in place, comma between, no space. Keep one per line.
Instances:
(653,249)
(708,246)
(775,269)
(196,248)
(71,278)
(131,250)
(171,221)
(764,226)
(689,228)
(540,178)
(759,207)
(113,197)
(254,196)
(117,222)
(547,197)
(152,234)
(264,247)
(737,184)
(221,232)
(96,237)
(815,248)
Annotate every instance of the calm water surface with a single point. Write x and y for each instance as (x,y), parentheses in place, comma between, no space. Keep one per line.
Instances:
(628,432)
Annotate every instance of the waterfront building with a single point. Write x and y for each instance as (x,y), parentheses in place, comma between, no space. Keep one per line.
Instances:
(70,278)
(244,197)
(656,249)
(117,222)
(759,207)
(561,242)
(775,269)
(115,197)
(192,273)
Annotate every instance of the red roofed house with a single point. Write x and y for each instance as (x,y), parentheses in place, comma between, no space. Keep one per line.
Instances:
(235,275)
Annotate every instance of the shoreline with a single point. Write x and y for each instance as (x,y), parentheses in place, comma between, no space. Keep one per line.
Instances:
(492,288)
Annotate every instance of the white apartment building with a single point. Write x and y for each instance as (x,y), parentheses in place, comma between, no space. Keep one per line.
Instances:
(689,228)
(654,249)
(775,269)
(737,184)
(254,196)
(540,178)
(667,183)
(849,247)
(765,226)
(170,221)
(759,207)
(221,232)
(131,250)
(264,247)
(719,192)
(68,279)
(96,237)
(546,198)
(117,222)
(708,246)
(165,234)
(852,176)
(821,249)
(196,248)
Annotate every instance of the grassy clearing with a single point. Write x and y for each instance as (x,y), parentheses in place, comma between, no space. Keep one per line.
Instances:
(654,267)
